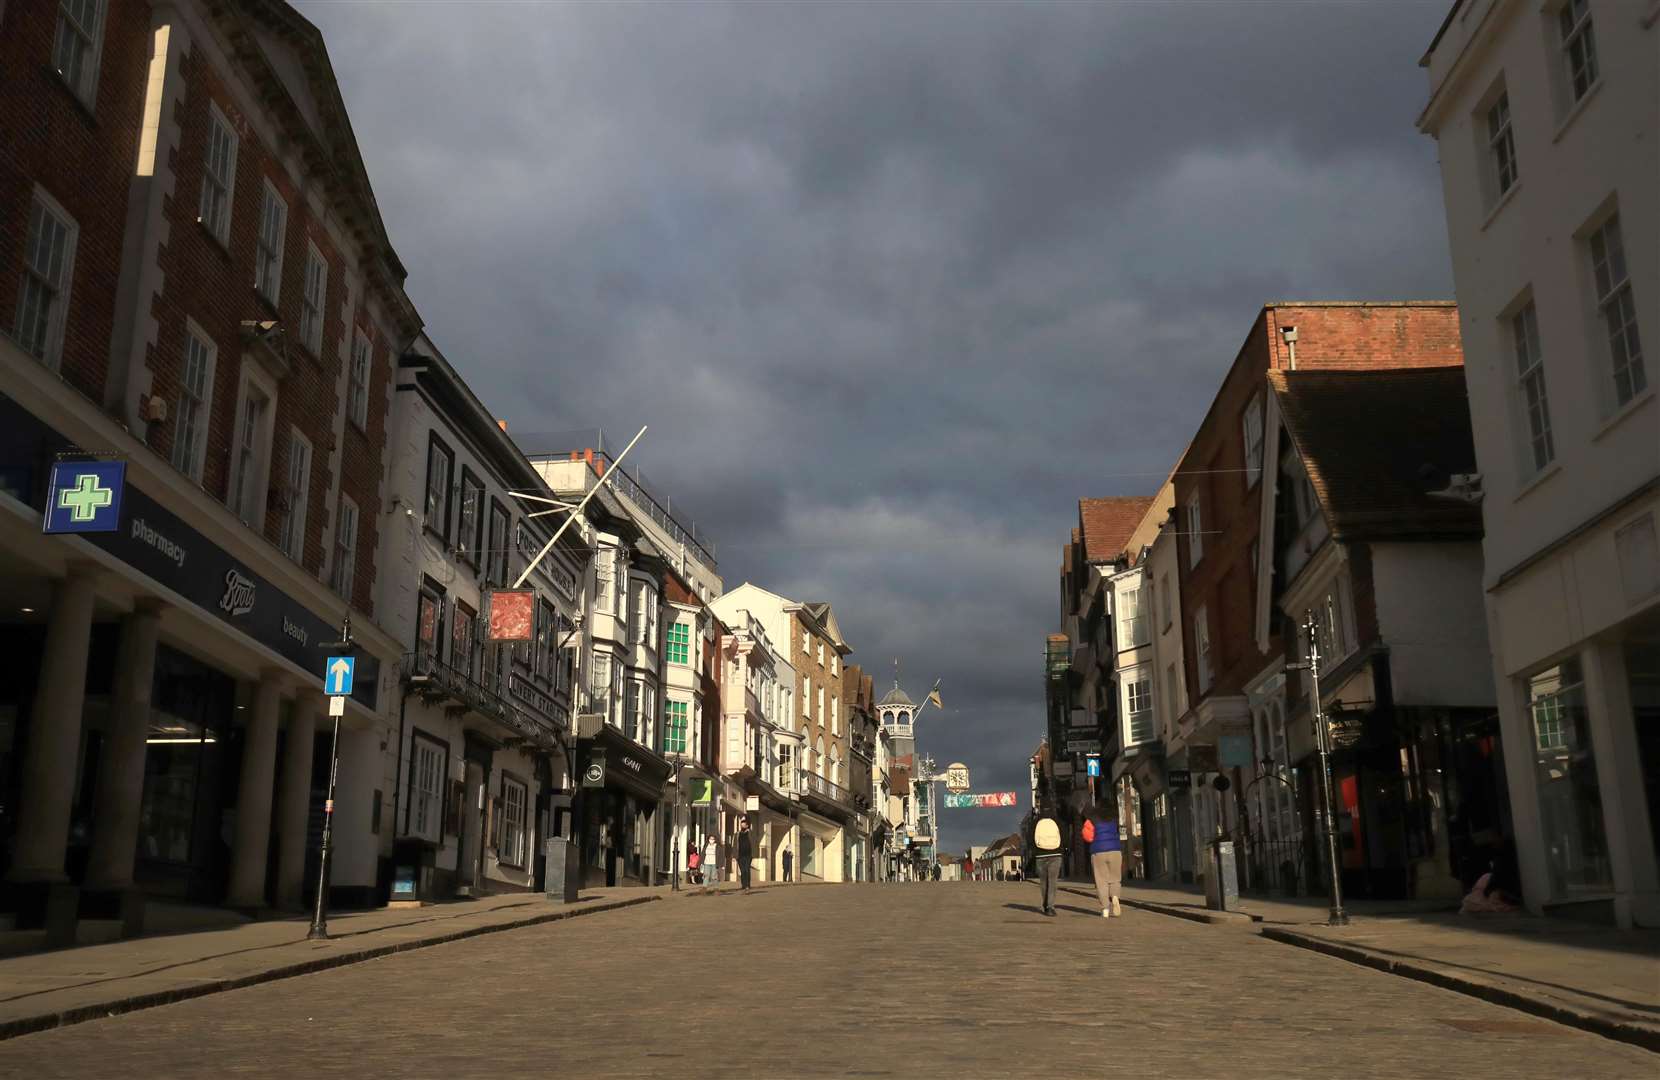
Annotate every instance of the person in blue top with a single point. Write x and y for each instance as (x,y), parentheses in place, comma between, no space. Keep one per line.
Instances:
(1106,853)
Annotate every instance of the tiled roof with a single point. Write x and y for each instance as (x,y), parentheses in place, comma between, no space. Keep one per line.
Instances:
(1376,442)
(1108,523)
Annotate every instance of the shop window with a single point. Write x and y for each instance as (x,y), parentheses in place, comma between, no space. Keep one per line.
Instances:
(1570,797)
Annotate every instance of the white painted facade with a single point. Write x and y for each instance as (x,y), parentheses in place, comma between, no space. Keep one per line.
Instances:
(1571,492)
(479,739)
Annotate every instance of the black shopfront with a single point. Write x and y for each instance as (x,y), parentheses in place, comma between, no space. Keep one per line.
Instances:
(619,819)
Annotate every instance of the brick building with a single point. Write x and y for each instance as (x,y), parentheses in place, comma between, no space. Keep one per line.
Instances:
(194,282)
(1223,509)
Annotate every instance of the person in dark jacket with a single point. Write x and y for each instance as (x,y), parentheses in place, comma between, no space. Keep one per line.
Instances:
(1106,854)
(746,853)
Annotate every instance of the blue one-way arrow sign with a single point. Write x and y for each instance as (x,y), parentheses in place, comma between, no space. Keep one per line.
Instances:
(337,675)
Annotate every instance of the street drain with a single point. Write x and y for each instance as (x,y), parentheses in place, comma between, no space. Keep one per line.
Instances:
(1500,1027)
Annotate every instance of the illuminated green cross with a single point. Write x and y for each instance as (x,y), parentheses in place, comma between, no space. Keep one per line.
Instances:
(86,498)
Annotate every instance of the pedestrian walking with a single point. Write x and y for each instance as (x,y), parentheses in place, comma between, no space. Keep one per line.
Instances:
(1106,854)
(746,852)
(788,862)
(1046,849)
(711,860)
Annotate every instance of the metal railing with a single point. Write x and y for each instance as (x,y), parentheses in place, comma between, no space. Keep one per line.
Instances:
(814,784)
(630,483)
(425,673)
(1281,867)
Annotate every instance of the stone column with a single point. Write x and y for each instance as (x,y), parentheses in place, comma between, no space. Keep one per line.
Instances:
(253,799)
(121,772)
(55,734)
(294,802)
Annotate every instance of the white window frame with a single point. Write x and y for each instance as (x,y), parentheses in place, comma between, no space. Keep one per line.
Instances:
(268,249)
(1201,649)
(84,85)
(1131,620)
(835,716)
(357,380)
(1195,529)
(1573,31)
(1251,433)
(1503,167)
(298,491)
(1138,688)
(195,404)
(514,827)
(218,198)
(1536,446)
(56,285)
(426,787)
(1615,300)
(344,573)
(314,299)
(835,664)
(249,483)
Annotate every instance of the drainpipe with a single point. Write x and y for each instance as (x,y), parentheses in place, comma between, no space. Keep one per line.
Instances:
(1289,333)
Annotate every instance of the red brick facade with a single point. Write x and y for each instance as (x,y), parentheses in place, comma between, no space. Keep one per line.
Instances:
(1224,581)
(177,269)
(82,158)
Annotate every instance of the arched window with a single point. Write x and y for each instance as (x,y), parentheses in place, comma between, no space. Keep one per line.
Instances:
(818,755)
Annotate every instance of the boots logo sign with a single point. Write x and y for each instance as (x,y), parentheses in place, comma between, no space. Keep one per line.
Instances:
(239,594)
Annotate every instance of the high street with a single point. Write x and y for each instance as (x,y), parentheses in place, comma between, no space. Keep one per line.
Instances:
(952,979)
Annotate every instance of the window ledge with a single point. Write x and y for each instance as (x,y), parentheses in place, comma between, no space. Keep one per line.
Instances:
(1573,113)
(1500,204)
(1536,480)
(218,243)
(1619,415)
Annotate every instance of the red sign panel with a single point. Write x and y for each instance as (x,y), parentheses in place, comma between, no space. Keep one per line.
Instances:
(512,615)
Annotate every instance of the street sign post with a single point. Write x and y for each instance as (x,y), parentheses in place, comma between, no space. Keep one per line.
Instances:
(337,675)
(1094,765)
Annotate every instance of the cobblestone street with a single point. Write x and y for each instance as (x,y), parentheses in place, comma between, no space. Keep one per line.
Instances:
(952,979)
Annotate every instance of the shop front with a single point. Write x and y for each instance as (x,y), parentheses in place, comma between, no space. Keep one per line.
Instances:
(162,719)
(621,835)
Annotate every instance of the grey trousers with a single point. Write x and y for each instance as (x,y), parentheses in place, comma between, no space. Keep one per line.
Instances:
(1108,867)
(1048,872)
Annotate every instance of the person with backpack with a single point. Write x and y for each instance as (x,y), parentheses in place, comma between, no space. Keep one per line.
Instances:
(1046,855)
(1106,854)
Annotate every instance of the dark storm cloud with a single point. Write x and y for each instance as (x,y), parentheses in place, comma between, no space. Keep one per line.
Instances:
(894,284)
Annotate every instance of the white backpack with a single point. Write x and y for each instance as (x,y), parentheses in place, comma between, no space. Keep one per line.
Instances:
(1047,835)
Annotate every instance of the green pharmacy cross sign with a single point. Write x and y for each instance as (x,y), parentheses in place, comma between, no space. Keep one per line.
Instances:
(84,496)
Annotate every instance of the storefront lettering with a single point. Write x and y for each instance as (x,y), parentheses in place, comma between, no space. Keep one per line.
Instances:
(294,630)
(239,594)
(145,533)
(631,763)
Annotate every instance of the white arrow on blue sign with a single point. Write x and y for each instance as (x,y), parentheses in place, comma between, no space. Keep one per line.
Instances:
(337,675)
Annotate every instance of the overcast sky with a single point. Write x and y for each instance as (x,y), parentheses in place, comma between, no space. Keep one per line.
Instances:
(893,284)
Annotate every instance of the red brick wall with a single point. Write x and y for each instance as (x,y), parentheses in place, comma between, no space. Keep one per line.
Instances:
(82,159)
(1328,336)
(213,284)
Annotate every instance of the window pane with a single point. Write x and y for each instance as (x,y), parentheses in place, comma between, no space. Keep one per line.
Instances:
(1570,798)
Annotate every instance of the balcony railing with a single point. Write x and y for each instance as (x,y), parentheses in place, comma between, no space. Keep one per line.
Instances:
(814,784)
(433,678)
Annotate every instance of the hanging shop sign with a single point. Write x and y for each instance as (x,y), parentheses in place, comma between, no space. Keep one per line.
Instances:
(512,614)
(1180,779)
(1083,746)
(593,774)
(1234,751)
(1202,757)
(963,800)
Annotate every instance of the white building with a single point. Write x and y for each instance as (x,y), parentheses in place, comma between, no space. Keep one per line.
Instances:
(481,727)
(759,748)
(1546,119)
